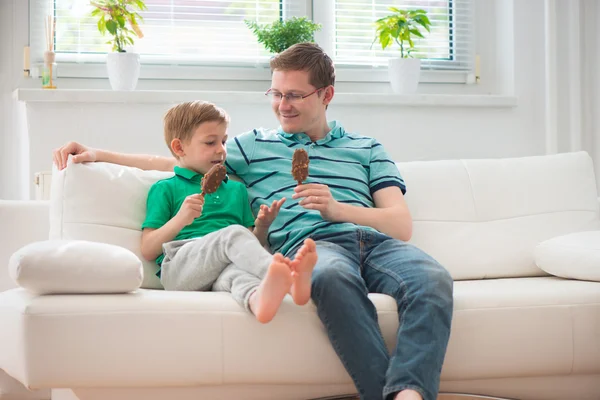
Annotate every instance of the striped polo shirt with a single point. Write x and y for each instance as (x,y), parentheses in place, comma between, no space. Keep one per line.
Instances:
(353,166)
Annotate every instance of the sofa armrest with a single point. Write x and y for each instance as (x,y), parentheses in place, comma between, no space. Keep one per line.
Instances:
(23,222)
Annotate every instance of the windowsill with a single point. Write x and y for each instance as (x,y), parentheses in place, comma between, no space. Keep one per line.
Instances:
(252,97)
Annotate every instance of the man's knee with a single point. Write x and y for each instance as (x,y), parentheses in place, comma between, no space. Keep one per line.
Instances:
(333,276)
(437,283)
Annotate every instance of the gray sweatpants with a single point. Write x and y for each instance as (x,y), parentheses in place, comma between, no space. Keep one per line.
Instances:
(228,260)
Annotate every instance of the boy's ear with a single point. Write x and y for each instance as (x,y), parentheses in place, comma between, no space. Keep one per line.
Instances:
(177,147)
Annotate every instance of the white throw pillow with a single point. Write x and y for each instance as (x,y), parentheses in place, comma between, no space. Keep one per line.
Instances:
(573,256)
(75,266)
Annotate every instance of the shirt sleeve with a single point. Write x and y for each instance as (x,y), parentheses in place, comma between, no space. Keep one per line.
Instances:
(158,207)
(247,215)
(383,170)
(240,150)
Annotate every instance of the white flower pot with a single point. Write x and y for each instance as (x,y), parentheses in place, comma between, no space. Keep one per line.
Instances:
(404,74)
(123,70)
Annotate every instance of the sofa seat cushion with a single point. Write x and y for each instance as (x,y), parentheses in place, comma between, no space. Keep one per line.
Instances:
(75,266)
(501,328)
(574,256)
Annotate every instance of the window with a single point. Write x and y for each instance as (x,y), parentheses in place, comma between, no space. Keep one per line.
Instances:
(447,46)
(213,32)
(175,31)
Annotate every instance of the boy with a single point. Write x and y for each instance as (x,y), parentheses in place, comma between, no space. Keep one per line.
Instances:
(195,238)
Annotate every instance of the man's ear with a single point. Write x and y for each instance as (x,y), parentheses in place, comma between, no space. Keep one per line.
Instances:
(329,91)
(177,147)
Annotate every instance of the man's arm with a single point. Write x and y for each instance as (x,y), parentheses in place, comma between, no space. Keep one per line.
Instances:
(141,161)
(390,215)
(83,153)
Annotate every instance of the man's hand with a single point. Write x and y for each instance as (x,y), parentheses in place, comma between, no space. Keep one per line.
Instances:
(318,197)
(190,209)
(80,154)
(267,215)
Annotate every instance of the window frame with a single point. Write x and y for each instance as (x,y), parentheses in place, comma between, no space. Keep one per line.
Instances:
(322,11)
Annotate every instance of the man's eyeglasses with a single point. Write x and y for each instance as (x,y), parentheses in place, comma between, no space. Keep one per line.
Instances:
(291,98)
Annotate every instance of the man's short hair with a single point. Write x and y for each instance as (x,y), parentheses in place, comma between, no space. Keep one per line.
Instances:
(306,57)
(181,121)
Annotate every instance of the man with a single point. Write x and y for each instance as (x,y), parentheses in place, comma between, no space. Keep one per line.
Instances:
(353,207)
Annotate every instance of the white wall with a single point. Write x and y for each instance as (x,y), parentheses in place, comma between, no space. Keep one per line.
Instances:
(592,85)
(409,133)
(6,82)
(13,36)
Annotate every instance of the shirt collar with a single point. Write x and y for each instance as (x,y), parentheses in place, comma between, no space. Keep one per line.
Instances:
(336,132)
(187,174)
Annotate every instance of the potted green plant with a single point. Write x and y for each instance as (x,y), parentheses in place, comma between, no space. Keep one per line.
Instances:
(280,35)
(401,27)
(119,19)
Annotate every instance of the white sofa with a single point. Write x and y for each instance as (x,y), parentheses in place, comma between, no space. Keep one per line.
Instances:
(517,332)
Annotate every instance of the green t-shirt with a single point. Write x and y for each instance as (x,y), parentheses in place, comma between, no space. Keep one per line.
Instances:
(227,206)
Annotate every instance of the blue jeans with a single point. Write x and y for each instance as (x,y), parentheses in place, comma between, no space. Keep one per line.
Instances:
(351,265)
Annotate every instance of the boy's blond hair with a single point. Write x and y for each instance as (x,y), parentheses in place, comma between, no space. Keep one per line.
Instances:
(306,57)
(181,121)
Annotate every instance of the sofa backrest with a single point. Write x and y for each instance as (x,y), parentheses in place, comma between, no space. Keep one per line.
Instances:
(483,218)
(103,203)
(478,218)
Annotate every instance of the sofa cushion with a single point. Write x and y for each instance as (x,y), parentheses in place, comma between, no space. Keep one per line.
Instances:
(75,266)
(497,210)
(574,256)
(106,203)
(518,327)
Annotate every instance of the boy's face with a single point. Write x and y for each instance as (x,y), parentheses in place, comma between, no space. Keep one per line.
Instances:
(301,115)
(206,147)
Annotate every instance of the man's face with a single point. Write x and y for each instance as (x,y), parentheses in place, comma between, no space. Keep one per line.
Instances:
(298,114)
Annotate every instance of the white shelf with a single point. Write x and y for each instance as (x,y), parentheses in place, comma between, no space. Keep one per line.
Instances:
(176,96)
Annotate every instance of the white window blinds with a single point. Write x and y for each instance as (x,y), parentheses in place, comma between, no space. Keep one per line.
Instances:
(175,31)
(449,46)
(213,32)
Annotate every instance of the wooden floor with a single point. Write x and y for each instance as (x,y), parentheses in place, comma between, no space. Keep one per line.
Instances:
(445,396)
(441,396)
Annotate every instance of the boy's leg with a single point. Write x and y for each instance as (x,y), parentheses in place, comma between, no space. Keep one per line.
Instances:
(303,265)
(236,244)
(260,297)
(423,292)
(196,264)
(183,267)
(239,283)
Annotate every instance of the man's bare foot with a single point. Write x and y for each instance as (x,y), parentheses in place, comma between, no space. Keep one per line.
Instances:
(408,394)
(303,264)
(265,301)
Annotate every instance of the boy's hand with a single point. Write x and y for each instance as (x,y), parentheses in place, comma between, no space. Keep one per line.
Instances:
(190,209)
(267,215)
(317,197)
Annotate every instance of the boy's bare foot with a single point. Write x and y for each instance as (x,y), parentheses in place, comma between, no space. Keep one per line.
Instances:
(265,301)
(408,395)
(303,264)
